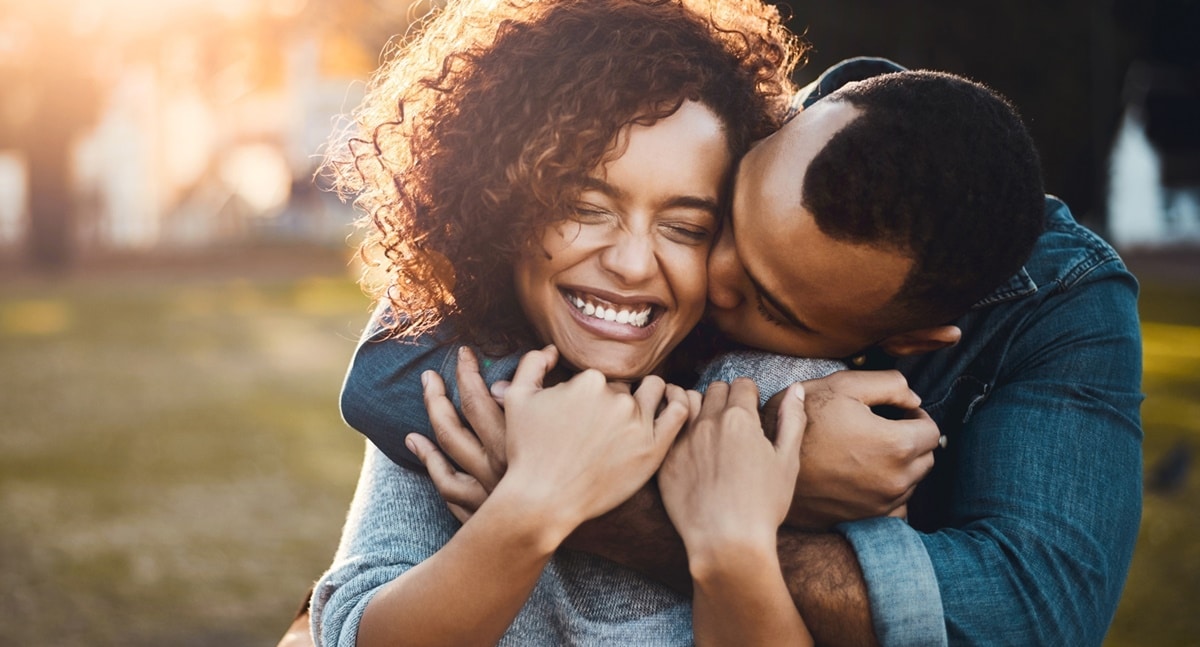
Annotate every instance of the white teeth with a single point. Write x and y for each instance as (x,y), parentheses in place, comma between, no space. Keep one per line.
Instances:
(627,317)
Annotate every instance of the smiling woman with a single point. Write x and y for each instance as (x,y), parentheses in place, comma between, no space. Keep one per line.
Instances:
(532,174)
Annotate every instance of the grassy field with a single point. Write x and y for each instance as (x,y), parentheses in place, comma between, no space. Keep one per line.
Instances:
(173,470)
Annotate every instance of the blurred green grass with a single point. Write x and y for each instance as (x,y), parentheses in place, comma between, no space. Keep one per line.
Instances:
(173,469)
(1158,606)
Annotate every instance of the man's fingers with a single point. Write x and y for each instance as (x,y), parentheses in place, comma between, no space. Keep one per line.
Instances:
(790,422)
(872,388)
(459,490)
(922,429)
(481,411)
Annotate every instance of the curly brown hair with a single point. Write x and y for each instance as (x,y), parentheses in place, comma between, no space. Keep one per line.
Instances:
(480,128)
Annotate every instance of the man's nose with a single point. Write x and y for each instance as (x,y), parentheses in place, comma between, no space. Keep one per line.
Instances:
(724,273)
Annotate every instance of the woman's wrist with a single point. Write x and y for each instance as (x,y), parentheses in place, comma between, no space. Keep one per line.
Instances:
(532,510)
(713,559)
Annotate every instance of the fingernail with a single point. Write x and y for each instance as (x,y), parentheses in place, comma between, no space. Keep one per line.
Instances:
(463,353)
(425,378)
(942,441)
(798,391)
(499,388)
(410,444)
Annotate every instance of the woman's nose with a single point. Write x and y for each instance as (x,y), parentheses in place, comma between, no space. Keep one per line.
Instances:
(630,257)
(724,273)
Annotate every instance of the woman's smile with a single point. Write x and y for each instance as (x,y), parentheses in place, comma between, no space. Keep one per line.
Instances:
(596,309)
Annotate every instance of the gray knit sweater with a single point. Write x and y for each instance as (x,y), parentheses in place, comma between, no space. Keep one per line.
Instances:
(397,519)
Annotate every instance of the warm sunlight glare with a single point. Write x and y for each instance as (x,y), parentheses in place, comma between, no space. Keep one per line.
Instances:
(259,175)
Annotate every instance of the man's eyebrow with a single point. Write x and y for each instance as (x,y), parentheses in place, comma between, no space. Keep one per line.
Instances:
(681,201)
(779,307)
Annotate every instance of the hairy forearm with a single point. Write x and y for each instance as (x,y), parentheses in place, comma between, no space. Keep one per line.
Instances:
(826,583)
(820,569)
(638,535)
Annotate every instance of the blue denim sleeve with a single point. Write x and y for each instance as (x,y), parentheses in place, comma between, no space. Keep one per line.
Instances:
(382,396)
(1046,495)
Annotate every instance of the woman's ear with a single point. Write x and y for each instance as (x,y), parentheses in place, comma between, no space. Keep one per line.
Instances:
(921,341)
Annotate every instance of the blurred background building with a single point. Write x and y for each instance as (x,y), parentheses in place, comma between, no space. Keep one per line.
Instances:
(138,126)
(154,126)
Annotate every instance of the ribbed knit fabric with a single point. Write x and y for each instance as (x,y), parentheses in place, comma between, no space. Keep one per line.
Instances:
(397,519)
(773,373)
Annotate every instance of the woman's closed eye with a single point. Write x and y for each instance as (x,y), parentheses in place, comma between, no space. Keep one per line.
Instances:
(687,234)
(590,214)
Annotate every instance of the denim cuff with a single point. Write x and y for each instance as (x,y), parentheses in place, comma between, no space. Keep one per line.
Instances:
(902,588)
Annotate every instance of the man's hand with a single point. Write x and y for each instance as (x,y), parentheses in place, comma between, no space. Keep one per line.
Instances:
(858,464)
(479,448)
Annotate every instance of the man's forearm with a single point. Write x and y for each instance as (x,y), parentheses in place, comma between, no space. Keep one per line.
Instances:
(821,569)
(826,583)
(638,535)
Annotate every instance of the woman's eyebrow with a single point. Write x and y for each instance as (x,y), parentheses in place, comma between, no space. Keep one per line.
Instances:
(703,203)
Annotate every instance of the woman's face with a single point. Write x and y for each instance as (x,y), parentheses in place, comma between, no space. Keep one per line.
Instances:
(623,279)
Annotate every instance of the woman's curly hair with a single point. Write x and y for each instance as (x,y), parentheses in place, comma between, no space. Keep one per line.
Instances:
(479,129)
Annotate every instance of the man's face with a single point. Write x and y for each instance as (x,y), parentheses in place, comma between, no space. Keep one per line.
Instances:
(776,281)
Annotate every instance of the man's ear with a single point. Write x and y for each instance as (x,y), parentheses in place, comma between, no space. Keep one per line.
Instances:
(921,341)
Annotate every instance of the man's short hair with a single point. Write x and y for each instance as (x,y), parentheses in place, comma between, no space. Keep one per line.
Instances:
(941,169)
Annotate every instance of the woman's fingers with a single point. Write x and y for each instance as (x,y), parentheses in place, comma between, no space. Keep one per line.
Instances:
(531,371)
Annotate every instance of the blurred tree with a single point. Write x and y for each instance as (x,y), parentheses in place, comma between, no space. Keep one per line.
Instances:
(49,99)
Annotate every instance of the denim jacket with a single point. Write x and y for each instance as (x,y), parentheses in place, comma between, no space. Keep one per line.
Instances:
(1024,531)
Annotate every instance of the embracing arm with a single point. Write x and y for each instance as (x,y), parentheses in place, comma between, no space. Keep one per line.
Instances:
(470,589)
(820,568)
(1045,495)
(381,395)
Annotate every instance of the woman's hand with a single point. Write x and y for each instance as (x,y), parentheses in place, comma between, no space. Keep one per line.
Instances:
(727,489)
(581,447)
(479,448)
(724,483)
